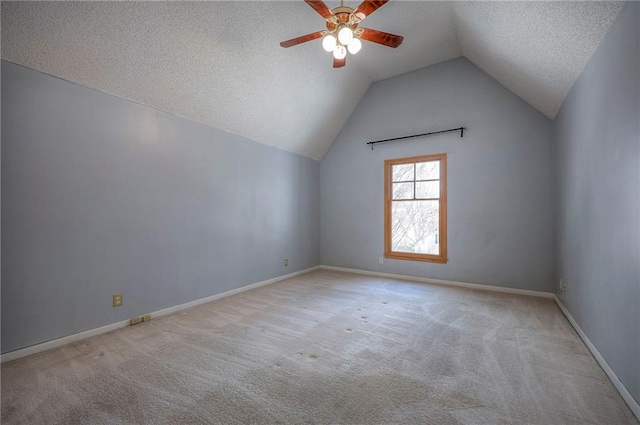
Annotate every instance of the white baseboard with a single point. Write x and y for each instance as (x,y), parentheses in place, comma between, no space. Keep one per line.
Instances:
(174,309)
(445,282)
(54,343)
(626,395)
(38,348)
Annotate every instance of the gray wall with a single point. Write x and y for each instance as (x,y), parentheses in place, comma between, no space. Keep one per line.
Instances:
(597,154)
(500,212)
(102,195)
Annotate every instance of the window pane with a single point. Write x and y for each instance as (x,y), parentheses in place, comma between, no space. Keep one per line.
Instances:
(414,227)
(402,191)
(428,189)
(428,170)
(402,172)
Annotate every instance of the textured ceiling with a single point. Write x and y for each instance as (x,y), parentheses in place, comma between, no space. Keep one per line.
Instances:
(219,63)
(535,49)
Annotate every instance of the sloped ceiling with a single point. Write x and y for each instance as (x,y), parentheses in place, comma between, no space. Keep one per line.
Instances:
(219,63)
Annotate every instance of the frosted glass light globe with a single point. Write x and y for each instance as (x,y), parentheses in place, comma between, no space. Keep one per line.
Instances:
(339,52)
(345,35)
(354,46)
(329,43)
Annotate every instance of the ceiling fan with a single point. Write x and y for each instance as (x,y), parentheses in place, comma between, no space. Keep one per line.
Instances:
(342,33)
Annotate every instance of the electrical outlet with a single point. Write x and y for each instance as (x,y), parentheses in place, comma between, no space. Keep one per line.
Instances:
(146,317)
(136,320)
(286,262)
(117,300)
(380,260)
(564,288)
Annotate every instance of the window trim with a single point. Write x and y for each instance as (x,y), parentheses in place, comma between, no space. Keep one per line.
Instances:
(442,233)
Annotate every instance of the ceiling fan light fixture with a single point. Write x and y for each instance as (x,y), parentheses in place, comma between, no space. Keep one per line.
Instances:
(339,52)
(329,42)
(345,35)
(354,46)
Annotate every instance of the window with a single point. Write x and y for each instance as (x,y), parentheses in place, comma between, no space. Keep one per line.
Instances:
(415,208)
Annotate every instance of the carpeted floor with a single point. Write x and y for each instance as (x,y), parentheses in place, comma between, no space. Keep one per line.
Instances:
(326,347)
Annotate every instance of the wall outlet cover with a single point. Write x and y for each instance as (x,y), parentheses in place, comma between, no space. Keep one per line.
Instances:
(117,300)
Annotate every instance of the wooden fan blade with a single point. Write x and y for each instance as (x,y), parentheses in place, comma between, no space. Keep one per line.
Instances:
(302,39)
(367,7)
(339,63)
(321,8)
(380,37)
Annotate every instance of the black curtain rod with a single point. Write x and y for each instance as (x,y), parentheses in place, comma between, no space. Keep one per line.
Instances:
(460,129)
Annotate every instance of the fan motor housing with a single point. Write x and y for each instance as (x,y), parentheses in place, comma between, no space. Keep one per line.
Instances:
(343,15)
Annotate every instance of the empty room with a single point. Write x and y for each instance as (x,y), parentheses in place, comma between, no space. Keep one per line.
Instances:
(320,212)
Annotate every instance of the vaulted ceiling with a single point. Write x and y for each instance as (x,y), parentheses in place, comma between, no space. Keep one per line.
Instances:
(220,63)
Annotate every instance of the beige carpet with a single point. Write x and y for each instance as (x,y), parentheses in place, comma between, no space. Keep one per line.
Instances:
(326,347)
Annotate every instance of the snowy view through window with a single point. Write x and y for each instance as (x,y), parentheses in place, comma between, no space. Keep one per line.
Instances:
(415,207)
